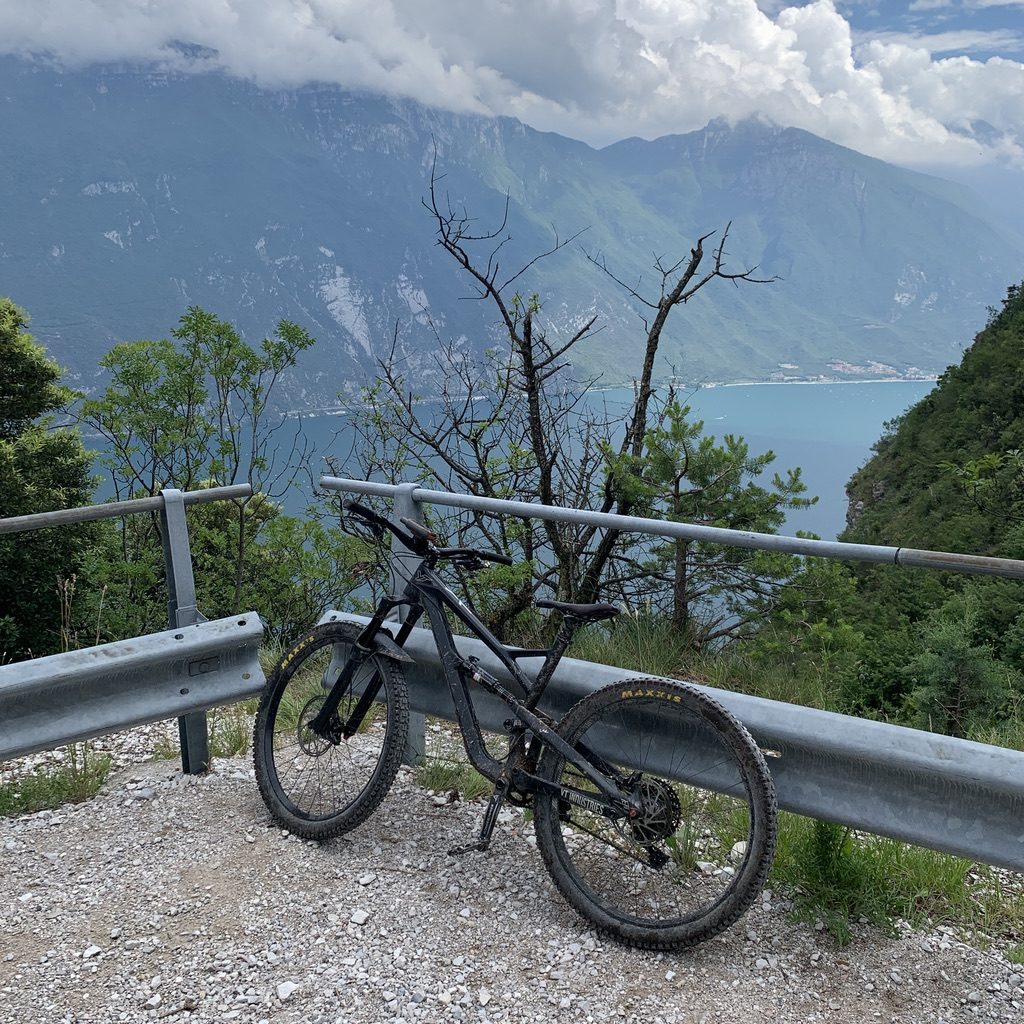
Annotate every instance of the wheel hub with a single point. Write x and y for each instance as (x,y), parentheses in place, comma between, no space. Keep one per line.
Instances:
(659,815)
(311,743)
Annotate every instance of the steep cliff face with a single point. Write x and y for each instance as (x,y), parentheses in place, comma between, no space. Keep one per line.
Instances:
(889,262)
(909,493)
(130,195)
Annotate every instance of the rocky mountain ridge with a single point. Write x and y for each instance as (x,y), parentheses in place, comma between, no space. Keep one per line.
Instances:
(131,195)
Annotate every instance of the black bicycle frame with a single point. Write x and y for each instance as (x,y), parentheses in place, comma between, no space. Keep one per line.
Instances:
(426,593)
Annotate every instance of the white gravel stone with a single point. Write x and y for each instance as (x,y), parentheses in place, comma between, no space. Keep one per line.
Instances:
(266,932)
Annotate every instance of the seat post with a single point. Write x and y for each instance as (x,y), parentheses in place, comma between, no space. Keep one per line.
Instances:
(566,631)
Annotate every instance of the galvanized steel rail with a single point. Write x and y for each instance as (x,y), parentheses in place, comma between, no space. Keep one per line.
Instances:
(976,564)
(117,509)
(948,794)
(180,673)
(68,697)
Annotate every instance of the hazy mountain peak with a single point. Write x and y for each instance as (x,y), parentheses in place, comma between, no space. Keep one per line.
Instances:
(132,196)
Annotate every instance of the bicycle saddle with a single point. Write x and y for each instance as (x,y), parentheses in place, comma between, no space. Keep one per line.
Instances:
(595,612)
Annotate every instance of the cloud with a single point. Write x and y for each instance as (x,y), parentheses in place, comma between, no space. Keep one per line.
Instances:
(594,69)
(954,41)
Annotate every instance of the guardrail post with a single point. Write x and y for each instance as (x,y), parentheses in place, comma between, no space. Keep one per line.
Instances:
(402,566)
(182,611)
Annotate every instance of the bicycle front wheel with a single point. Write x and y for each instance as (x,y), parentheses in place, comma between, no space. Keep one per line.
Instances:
(317,788)
(696,855)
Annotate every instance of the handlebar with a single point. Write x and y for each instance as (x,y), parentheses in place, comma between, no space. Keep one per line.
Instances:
(419,539)
(485,556)
(414,543)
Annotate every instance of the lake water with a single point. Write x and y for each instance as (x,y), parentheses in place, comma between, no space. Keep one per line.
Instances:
(825,429)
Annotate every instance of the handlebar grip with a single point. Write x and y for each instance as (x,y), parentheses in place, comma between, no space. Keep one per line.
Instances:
(410,540)
(495,556)
(485,556)
(417,529)
(351,505)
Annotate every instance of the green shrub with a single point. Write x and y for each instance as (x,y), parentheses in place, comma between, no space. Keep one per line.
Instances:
(76,777)
(837,876)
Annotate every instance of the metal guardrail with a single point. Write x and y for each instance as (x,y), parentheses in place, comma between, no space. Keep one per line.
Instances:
(195,665)
(975,564)
(68,697)
(953,795)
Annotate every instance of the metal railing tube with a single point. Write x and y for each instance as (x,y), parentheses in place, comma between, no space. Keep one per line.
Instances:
(116,509)
(949,794)
(974,564)
(83,698)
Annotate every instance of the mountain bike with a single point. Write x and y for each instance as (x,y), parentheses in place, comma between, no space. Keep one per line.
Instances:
(654,811)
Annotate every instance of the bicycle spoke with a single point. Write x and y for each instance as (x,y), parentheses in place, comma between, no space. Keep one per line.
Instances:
(312,784)
(671,873)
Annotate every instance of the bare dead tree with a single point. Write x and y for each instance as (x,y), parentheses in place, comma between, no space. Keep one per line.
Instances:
(679,282)
(518,424)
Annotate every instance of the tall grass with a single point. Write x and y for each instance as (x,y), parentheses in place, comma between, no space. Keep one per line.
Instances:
(1009,732)
(639,643)
(75,776)
(76,773)
(653,646)
(836,876)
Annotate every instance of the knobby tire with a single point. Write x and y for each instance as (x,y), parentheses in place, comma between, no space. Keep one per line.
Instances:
(315,788)
(697,856)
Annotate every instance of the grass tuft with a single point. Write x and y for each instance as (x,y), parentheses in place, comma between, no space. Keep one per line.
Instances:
(636,642)
(836,876)
(229,730)
(76,777)
(443,774)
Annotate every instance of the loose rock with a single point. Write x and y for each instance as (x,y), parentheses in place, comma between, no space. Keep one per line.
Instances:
(159,910)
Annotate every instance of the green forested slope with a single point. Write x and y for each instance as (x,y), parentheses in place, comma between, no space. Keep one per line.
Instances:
(947,649)
(909,493)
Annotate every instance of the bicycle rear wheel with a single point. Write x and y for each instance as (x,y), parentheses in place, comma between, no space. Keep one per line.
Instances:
(317,788)
(697,855)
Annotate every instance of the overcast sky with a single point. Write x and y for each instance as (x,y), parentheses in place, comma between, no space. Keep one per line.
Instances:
(929,82)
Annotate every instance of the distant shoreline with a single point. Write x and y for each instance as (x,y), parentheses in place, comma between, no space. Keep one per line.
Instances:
(773,383)
(336,410)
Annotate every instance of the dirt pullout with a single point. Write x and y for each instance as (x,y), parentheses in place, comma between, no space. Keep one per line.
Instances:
(170,897)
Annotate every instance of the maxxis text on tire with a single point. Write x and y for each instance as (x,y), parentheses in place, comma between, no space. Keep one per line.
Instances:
(314,788)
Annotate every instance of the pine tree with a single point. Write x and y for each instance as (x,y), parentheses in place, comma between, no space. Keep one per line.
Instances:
(42,468)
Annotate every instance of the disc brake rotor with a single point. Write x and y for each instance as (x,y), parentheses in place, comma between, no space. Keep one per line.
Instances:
(659,816)
(311,744)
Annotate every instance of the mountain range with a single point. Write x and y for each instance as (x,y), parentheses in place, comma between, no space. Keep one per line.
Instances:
(130,194)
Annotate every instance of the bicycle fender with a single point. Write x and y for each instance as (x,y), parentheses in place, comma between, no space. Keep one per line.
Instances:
(384,644)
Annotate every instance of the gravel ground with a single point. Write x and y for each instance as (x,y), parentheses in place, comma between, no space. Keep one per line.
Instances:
(171,897)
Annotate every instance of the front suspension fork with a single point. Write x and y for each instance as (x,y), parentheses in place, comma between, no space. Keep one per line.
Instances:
(325,723)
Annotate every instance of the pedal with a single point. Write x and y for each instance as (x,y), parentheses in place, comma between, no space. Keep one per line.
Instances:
(479,846)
